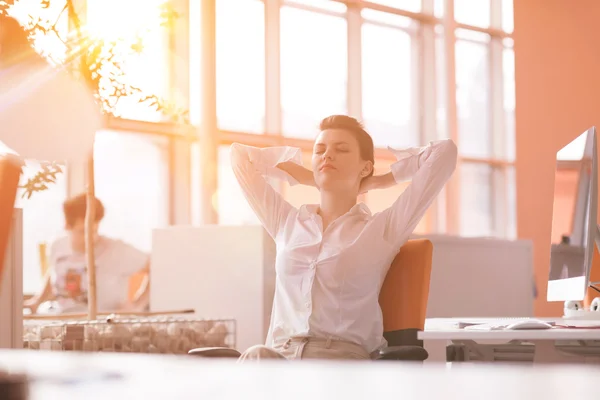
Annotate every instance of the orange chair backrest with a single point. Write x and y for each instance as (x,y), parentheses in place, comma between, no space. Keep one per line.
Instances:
(404,294)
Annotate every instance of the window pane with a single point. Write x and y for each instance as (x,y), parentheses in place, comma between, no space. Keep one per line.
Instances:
(473,99)
(132,180)
(441,85)
(472,12)
(389,86)
(313,70)
(507,15)
(231,205)
(195,61)
(504,202)
(241,65)
(43,222)
(511,203)
(508,70)
(438,8)
(408,5)
(387,18)
(134,23)
(196,166)
(476,200)
(379,200)
(322,4)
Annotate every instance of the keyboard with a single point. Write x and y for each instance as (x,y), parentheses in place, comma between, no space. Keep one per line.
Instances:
(496,325)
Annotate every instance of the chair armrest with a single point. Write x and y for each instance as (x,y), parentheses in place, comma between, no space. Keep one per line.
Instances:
(215,352)
(403,353)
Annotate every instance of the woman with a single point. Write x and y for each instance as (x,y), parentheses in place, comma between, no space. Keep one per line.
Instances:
(332,257)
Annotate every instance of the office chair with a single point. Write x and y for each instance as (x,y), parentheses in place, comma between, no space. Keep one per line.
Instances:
(10,172)
(403,301)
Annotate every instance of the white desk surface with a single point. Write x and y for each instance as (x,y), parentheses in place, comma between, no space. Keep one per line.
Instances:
(447,329)
(55,376)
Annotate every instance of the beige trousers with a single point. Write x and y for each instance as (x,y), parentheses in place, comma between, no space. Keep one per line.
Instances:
(302,348)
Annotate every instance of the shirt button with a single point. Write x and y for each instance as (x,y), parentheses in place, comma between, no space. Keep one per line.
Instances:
(313,265)
(307,304)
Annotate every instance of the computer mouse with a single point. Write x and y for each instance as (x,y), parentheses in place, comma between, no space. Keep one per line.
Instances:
(529,324)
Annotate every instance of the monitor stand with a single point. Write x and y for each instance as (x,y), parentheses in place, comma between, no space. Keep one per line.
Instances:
(575,309)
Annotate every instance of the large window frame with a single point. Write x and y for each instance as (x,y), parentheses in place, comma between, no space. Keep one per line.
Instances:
(445,213)
(191,202)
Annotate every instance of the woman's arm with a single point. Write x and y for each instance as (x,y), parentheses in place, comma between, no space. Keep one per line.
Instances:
(251,165)
(429,168)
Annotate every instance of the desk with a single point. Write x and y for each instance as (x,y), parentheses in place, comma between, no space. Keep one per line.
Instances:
(541,346)
(151,377)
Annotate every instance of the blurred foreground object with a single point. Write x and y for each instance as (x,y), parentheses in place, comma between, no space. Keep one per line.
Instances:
(45,114)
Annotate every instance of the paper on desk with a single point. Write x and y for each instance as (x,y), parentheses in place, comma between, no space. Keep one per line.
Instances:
(47,115)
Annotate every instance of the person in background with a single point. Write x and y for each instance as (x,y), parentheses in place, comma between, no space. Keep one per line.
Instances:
(66,280)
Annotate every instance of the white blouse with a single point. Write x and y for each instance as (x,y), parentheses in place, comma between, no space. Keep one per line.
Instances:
(328,282)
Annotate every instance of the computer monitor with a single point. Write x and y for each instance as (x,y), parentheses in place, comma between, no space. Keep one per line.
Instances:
(574,226)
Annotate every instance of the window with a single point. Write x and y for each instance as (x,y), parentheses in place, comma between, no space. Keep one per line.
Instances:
(321,4)
(241,65)
(389,84)
(379,200)
(43,222)
(472,12)
(473,96)
(314,71)
(231,205)
(476,200)
(408,5)
(132,181)
(397,91)
(507,180)
(441,84)
(508,69)
(507,16)
(144,50)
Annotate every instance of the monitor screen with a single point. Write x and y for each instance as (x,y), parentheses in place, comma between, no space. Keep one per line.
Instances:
(573,218)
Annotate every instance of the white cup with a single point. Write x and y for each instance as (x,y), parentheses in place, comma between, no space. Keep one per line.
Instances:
(595,306)
(573,305)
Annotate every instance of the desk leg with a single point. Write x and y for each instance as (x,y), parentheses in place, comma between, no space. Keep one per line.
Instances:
(436,350)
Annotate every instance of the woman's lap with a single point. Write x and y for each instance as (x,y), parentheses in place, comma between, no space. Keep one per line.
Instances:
(307,348)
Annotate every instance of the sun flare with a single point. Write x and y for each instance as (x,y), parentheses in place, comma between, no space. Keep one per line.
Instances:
(122,19)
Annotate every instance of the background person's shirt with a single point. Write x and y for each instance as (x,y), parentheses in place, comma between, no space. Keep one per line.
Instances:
(116,262)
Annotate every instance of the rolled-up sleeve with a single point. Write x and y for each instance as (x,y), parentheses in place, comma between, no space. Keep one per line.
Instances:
(429,168)
(251,166)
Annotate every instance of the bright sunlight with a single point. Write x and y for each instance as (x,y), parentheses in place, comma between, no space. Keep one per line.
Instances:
(118,19)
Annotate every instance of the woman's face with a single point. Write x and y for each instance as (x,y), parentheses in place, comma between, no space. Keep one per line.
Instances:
(336,162)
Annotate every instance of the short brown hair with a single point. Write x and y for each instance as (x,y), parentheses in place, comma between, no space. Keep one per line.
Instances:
(356,129)
(75,209)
